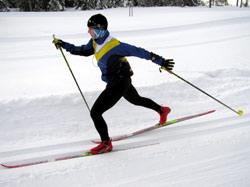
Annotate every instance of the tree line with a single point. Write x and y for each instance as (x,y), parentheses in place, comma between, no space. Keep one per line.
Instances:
(61,5)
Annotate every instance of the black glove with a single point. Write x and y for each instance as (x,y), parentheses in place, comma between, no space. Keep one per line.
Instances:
(167,64)
(58,42)
(155,58)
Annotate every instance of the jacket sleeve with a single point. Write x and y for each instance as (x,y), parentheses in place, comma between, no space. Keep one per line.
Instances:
(84,50)
(130,50)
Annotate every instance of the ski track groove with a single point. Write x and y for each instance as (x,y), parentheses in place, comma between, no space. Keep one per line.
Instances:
(190,44)
(180,28)
(176,132)
(164,175)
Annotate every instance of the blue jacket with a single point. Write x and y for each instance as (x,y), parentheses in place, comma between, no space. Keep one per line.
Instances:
(105,47)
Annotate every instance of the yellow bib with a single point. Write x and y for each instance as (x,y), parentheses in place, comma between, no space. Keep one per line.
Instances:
(108,44)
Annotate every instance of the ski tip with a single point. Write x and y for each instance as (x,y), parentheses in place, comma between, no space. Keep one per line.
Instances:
(211,111)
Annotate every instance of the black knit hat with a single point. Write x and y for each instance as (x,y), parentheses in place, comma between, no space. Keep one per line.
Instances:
(98,21)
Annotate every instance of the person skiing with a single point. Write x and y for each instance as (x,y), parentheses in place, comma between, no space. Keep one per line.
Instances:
(110,54)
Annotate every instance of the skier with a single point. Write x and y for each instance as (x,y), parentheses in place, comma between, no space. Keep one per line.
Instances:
(110,54)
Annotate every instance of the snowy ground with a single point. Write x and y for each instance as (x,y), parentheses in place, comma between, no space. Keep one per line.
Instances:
(40,106)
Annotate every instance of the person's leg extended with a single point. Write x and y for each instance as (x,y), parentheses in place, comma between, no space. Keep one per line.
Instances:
(107,99)
(133,97)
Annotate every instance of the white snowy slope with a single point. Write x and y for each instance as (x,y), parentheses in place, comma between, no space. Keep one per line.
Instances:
(42,112)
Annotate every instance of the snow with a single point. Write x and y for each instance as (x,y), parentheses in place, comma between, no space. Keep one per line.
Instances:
(42,112)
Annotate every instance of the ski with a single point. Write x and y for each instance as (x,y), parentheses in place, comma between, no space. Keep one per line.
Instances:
(67,156)
(125,136)
(78,154)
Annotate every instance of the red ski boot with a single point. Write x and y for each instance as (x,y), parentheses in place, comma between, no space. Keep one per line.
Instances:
(103,147)
(164,111)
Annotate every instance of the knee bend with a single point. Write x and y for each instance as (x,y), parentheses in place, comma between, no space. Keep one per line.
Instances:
(94,112)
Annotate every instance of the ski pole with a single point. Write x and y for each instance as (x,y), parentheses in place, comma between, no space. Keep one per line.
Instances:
(72,75)
(239,112)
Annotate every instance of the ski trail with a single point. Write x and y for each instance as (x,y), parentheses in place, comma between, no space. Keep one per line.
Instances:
(166,134)
(34,160)
(210,128)
(196,172)
(187,27)
(169,29)
(206,42)
(46,148)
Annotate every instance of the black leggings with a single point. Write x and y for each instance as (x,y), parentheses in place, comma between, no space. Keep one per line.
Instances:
(110,96)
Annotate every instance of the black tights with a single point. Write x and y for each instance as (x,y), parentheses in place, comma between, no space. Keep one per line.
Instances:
(110,96)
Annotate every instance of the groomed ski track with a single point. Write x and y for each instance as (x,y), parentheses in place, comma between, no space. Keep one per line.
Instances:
(81,153)
(206,150)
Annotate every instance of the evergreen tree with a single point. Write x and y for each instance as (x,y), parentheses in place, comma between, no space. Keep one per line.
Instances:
(3,6)
(60,5)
